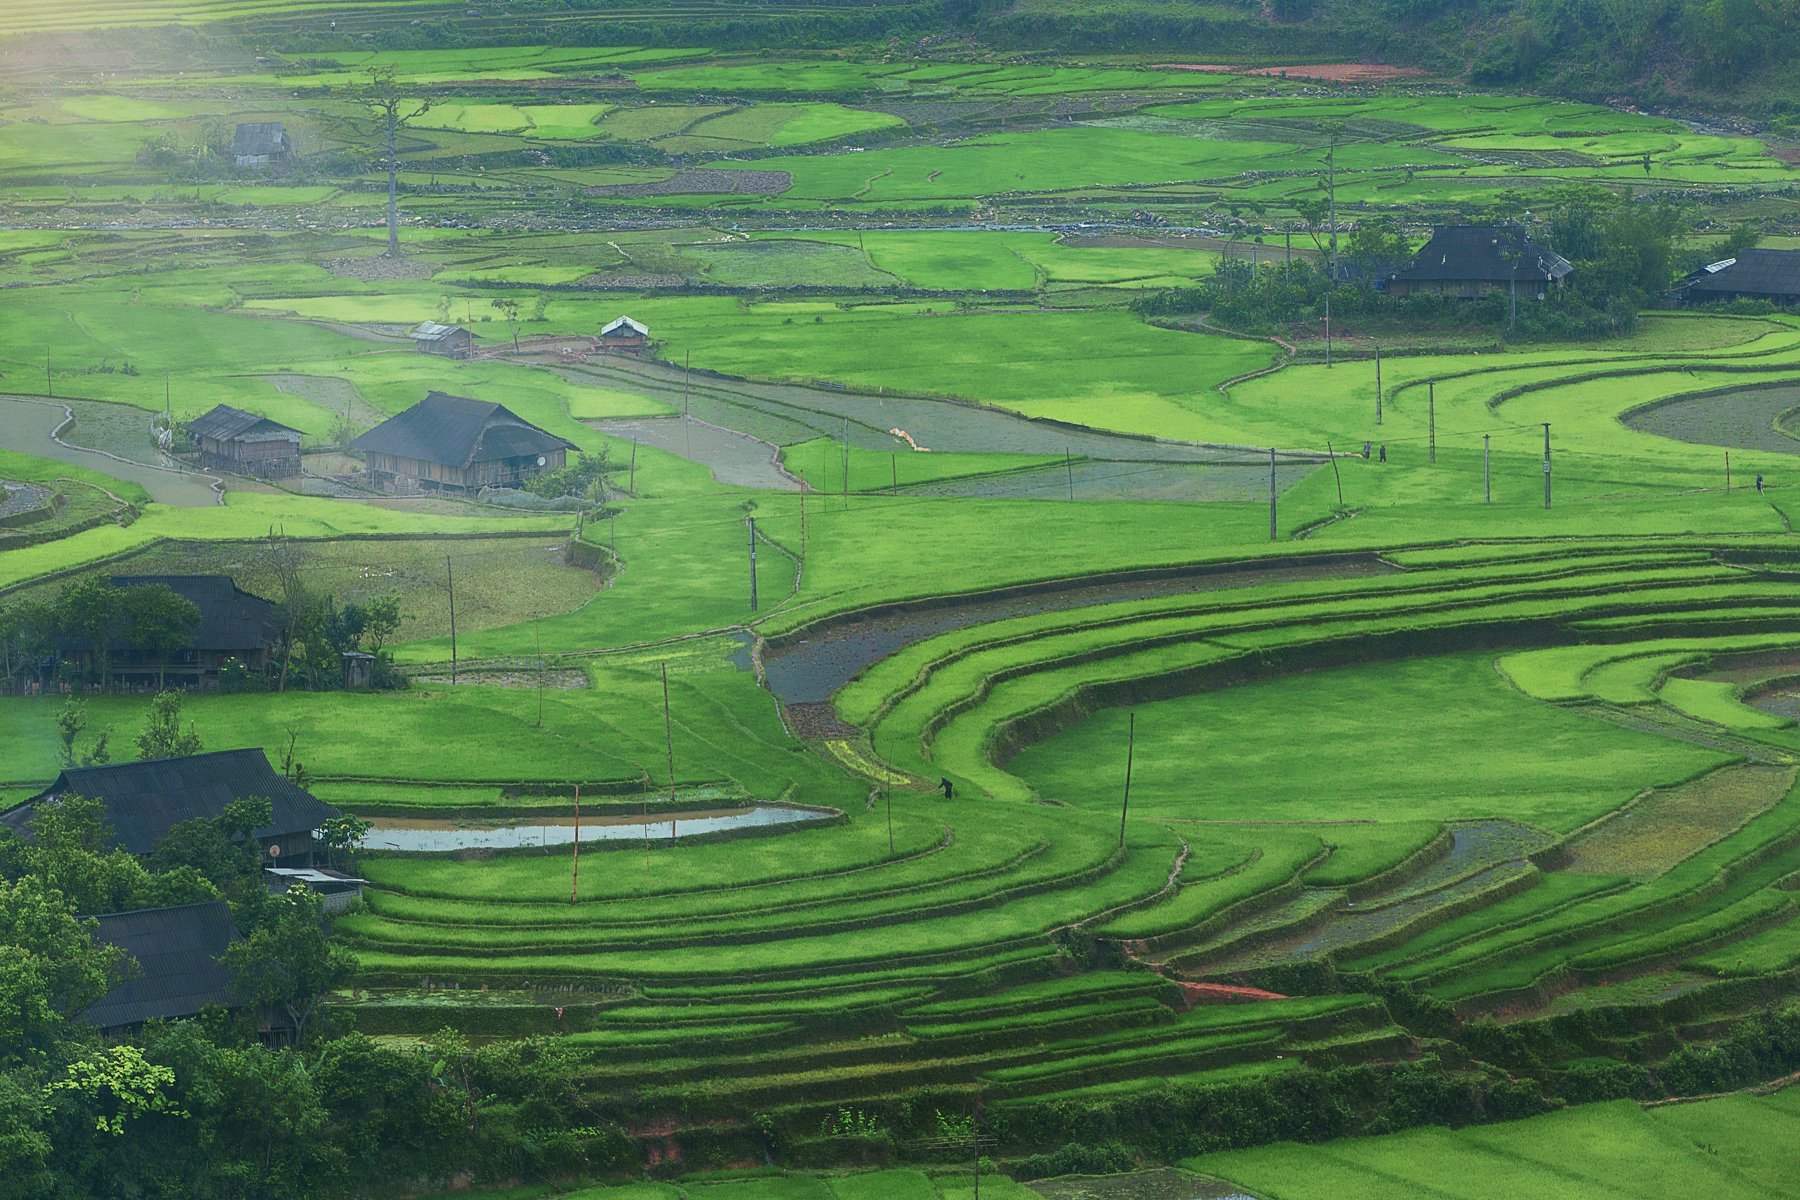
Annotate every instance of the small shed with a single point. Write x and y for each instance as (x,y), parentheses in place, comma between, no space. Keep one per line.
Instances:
(178,952)
(449,341)
(1468,261)
(450,443)
(259,144)
(243,443)
(359,670)
(336,890)
(625,336)
(1772,275)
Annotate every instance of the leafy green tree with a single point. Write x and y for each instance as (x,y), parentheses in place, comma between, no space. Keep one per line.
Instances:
(158,621)
(51,969)
(88,611)
(509,312)
(162,736)
(343,835)
(27,639)
(71,723)
(288,962)
(116,1085)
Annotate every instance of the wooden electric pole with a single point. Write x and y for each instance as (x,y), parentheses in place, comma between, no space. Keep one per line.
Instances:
(1272,493)
(1431,418)
(1334,472)
(752,523)
(1130,749)
(1546,464)
(450,581)
(668,731)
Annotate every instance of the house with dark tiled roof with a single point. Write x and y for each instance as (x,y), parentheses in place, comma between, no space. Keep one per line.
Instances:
(1468,261)
(233,624)
(1772,275)
(230,439)
(175,968)
(455,444)
(144,800)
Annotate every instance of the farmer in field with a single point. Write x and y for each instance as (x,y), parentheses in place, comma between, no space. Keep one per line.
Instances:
(1759,483)
(948,787)
(1384,452)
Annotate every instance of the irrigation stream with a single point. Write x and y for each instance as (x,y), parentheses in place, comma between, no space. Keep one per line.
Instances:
(419,835)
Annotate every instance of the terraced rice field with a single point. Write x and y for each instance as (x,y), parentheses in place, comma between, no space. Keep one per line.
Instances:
(1286,778)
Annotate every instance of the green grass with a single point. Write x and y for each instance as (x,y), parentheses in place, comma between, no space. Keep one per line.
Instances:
(1716,1148)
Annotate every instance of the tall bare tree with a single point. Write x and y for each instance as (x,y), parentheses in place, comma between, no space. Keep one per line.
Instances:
(393,108)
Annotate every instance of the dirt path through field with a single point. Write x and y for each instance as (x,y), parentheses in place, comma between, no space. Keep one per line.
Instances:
(29,427)
(781,414)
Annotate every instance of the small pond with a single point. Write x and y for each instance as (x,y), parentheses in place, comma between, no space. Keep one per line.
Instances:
(421,835)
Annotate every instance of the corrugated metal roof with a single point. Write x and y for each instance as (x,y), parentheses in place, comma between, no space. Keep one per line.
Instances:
(456,431)
(230,618)
(255,139)
(626,323)
(431,331)
(144,800)
(225,422)
(1753,273)
(1482,254)
(178,953)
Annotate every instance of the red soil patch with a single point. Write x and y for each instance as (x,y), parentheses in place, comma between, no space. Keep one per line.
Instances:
(1329,72)
(1211,993)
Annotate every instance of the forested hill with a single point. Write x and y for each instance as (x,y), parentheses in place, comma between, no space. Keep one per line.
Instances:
(1721,55)
(1734,53)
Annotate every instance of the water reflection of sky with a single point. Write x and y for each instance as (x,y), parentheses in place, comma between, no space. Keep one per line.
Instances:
(424,836)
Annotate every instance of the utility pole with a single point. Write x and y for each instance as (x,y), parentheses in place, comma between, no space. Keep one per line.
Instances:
(668,731)
(1487,468)
(450,581)
(1069,467)
(1272,493)
(1431,418)
(541,665)
(752,521)
(1728,472)
(887,794)
(49,388)
(893,474)
(846,480)
(1546,464)
(1378,385)
(1130,748)
(631,481)
(1334,471)
(803,523)
(1331,196)
(575,862)
(687,423)
(1512,299)
(1327,330)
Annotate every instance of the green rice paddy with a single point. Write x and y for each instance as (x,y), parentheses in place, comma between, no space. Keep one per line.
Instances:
(1406,746)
